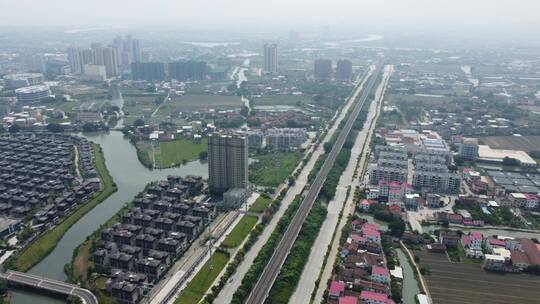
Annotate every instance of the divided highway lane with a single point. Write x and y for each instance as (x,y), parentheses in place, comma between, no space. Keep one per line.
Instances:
(50,285)
(272,269)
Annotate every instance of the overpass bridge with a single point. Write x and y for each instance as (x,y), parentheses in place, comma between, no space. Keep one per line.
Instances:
(49,285)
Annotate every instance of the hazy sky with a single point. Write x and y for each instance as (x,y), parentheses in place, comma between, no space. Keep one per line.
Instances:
(516,14)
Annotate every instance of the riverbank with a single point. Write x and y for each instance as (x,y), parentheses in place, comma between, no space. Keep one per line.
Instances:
(44,244)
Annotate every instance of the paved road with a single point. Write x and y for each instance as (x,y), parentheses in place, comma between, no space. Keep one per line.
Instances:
(335,220)
(272,269)
(187,267)
(50,285)
(226,294)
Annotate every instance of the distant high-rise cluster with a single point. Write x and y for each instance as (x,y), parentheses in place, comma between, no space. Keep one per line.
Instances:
(270,57)
(114,58)
(150,71)
(322,69)
(180,70)
(344,70)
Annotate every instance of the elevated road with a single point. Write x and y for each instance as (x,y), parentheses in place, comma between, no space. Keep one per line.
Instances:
(50,285)
(260,291)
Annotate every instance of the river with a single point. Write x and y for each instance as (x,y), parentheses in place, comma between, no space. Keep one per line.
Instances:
(130,177)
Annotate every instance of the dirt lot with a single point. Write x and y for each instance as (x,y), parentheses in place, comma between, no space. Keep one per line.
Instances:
(453,283)
(525,143)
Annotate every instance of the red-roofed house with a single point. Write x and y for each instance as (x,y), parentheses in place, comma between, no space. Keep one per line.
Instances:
(531,250)
(370,297)
(476,240)
(366,204)
(336,289)
(357,225)
(371,232)
(494,243)
(380,275)
(348,300)
(371,226)
(466,241)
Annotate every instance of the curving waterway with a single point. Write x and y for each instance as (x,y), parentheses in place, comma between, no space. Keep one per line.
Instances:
(130,177)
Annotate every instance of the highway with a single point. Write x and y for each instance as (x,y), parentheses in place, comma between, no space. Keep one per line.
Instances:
(261,289)
(50,285)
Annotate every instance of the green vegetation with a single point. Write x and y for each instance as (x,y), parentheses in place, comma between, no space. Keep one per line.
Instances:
(390,118)
(282,100)
(44,244)
(292,269)
(499,216)
(240,231)
(294,265)
(198,103)
(145,153)
(139,106)
(169,153)
(265,253)
(273,168)
(239,256)
(260,204)
(196,289)
(174,153)
(457,254)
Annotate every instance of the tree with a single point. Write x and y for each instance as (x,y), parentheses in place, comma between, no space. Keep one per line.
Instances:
(55,128)
(397,227)
(138,123)
(3,287)
(244,111)
(508,161)
(203,155)
(25,233)
(14,128)
(90,127)
(73,300)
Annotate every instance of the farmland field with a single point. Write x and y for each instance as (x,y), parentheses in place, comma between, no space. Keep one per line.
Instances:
(525,143)
(453,283)
(282,100)
(198,103)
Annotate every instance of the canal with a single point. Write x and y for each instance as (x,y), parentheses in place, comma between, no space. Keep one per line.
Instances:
(130,177)
(410,284)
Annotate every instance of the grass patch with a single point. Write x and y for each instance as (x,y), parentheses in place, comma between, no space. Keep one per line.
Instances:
(144,153)
(272,169)
(260,205)
(174,153)
(44,244)
(240,231)
(206,276)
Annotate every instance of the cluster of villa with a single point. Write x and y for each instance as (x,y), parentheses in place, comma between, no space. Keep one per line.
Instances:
(362,276)
(164,221)
(40,178)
